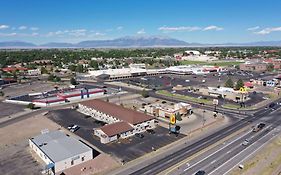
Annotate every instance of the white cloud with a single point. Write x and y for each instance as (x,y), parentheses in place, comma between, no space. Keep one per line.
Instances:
(268,30)
(181,28)
(99,34)
(34,28)
(119,28)
(140,32)
(212,27)
(22,27)
(253,28)
(7,34)
(4,26)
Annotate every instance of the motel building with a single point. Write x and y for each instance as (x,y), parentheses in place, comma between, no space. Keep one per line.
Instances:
(121,122)
(59,151)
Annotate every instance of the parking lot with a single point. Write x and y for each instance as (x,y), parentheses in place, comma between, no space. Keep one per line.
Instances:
(167,82)
(10,109)
(126,149)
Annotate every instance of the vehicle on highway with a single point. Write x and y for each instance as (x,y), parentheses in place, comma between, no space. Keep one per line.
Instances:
(74,128)
(139,135)
(150,131)
(258,127)
(245,143)
(200,172)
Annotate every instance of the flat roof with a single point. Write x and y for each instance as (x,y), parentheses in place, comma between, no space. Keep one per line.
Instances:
(124,114)
(58,146)
(116,128)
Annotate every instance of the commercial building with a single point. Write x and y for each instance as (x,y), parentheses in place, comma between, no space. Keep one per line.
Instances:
(225,92)
(34,72)
(121,122)
(166,111)
(60,151)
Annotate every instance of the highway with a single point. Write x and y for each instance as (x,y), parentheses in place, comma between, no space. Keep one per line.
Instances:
(214,161)
(188,151)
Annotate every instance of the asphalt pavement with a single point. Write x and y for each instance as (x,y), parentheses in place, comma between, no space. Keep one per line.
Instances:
(170,160)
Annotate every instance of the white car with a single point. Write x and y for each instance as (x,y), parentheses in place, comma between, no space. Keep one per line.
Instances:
(74,128)
(187,81)
(245,143)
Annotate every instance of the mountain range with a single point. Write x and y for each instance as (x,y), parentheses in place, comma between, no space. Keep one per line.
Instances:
(130,42)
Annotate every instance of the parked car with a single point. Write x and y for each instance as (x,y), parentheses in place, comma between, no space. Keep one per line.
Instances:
(150,131)
(139,135)
(74,128)
(70,126)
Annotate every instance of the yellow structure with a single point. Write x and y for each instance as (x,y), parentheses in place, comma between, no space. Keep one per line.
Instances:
(173,119)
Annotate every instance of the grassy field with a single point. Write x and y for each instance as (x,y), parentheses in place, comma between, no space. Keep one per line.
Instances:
(184,97)
(215,63)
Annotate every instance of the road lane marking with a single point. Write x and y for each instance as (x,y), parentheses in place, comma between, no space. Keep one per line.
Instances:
(217,150)
(240,153)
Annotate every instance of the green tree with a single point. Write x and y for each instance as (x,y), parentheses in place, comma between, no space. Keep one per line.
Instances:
(178,117)
(51,77)
(239,84)
(94,64)
(73,81)
(144,93)
(79,68)
(2,93)
(229,83)
(31,106)
(44,70)
(270,67)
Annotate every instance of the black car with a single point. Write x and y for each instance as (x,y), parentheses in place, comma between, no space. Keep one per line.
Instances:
(150,131)
(272,105)
(139,135)
(200,172)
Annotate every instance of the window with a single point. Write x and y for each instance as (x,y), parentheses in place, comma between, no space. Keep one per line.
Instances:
(72,162)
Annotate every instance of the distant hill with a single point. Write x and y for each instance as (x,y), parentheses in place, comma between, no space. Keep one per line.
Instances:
(13,44)
(131,42)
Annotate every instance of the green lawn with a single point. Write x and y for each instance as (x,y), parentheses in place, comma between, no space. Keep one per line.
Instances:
(231,106)
(215,63)
(185,97)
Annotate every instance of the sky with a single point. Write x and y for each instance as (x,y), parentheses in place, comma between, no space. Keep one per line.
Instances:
(200,21)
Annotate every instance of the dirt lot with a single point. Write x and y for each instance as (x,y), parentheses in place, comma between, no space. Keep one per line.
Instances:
(267,161)
(15,154)
(16,157)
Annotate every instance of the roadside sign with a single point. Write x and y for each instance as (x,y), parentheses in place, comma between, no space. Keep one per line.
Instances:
(173,119)
(215,101)
(242,90)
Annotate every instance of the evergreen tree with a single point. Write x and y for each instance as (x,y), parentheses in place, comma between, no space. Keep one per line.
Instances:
(239,84)
(229,83)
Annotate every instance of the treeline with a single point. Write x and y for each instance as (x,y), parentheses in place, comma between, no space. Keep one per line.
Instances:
(8,57)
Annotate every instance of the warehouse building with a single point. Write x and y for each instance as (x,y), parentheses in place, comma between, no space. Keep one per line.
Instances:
(60,151)
(121,122)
